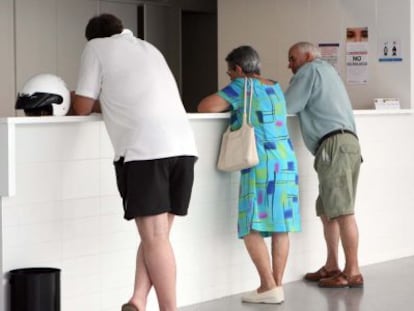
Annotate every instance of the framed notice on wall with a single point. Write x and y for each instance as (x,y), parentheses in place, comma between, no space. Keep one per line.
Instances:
(357,55)
(329,53)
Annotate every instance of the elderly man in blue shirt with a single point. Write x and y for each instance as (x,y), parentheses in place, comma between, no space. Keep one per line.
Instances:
(318,96)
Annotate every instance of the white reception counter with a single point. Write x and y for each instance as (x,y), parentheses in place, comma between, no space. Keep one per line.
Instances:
(60,208)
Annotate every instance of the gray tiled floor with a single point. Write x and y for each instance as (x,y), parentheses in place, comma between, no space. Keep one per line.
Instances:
(388,286)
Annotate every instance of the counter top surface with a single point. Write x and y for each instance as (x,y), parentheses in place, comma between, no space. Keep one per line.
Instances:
(191,116)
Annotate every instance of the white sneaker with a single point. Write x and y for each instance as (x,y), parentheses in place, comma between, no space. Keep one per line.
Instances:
(275,295)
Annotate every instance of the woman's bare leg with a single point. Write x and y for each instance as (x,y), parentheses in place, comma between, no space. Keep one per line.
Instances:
(280,252)
(259,254)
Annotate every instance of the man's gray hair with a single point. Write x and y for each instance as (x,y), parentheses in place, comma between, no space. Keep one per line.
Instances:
(307,47)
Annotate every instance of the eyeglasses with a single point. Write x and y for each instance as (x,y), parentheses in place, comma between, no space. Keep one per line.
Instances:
(231,72)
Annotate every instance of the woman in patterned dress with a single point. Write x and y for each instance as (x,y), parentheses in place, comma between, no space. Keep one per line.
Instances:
(269,194)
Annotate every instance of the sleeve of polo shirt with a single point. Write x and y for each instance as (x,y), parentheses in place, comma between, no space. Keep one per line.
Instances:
(299,91)
(90,77)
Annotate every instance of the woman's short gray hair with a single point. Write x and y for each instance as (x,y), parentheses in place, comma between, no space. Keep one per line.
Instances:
(246,57)
(307,47)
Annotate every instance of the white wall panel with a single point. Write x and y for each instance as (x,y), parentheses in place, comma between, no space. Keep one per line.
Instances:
(49,38)
(327,26)
(72,17)
(388,28)
(321,21)
(230,33)
(7,59)
(126,11)
(36,33)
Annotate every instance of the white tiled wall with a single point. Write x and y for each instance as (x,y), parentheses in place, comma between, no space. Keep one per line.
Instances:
(67,213)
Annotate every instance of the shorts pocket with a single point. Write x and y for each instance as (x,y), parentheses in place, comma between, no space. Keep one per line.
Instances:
(336,195)
(352,149)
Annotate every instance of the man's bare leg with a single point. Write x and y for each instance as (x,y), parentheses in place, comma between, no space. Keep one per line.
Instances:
(349,238)
(331,234)
(159,257)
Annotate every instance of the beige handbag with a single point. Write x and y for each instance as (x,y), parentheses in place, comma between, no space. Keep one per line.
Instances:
(238,148)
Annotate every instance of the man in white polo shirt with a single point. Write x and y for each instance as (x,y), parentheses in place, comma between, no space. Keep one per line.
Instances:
(129,81)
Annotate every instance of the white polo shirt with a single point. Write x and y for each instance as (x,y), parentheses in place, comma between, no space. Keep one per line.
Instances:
(140,102)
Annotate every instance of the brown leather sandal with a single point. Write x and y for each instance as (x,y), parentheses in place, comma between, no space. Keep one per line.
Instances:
(320,274)
(129,307)
(342,280)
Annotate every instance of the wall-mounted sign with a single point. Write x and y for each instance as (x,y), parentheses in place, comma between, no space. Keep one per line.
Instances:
(329,53)
(389,50)
(357,55)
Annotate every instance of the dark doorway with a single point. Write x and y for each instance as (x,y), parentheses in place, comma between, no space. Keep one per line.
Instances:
(199,57)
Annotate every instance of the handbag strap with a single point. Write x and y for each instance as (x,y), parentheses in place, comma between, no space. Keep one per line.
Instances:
(247,100)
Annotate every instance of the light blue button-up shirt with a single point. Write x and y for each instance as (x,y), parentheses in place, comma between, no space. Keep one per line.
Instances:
(318,96)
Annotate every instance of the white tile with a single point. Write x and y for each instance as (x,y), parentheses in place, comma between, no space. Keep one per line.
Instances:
(36,233)
(115,278)
(82,285)
(42,212)
(46,254)
(37,182)
(80,208)
(112,205)
(113,224)
(57,142)
(80,179)
(81,141)
(81,266)
(105,143)
(107,178)
(113,298)
(11,215)
(38,144)
(82,302)
(12,237)
(81,228)
(79,247)
(119,241)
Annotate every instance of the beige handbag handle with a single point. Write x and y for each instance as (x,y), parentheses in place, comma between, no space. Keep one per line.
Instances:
(246,80)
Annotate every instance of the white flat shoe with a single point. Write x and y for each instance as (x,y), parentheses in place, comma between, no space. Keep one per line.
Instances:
(275,295)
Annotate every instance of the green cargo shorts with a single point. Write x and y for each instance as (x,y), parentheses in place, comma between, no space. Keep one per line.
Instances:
(337,163)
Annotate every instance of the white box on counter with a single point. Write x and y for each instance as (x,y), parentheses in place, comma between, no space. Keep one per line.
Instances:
(387,103)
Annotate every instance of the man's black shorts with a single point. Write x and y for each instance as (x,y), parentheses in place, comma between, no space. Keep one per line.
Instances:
(152,187)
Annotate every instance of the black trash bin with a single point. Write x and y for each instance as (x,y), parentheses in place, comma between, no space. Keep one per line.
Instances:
(35,289)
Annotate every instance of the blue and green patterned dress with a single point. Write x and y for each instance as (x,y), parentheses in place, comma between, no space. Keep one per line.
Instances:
(269,193)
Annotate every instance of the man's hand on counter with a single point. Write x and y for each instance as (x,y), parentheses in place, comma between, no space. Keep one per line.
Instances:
(81,105)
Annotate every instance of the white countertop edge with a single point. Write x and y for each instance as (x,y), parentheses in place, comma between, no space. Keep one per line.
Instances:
(191,116)
(95,117)
(50,119)
(383,111)
(200,115)
(357,112)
